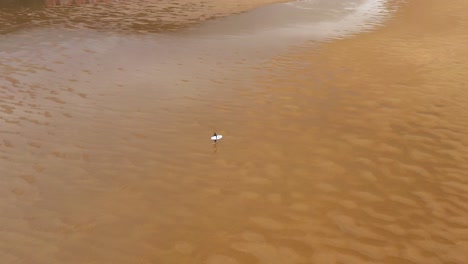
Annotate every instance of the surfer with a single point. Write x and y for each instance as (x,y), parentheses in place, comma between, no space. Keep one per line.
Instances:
(216,137)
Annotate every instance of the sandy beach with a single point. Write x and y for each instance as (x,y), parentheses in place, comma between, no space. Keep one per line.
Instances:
(339,146)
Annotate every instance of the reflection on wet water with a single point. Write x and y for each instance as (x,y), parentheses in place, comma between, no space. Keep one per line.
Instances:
(350,152)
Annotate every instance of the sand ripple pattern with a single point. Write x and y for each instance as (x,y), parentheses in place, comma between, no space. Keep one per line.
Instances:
(353,152)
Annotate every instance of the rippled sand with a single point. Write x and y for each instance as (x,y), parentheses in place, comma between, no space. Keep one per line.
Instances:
(350,152)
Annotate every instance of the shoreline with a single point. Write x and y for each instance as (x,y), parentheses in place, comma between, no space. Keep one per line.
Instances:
(361,155)
(300,21)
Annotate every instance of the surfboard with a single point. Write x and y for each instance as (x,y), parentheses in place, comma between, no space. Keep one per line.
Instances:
(218,137)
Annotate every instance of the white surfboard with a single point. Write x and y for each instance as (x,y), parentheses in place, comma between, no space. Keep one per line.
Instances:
(218,137)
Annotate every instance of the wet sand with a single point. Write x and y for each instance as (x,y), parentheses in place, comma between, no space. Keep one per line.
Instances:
(353,151)
(380,124)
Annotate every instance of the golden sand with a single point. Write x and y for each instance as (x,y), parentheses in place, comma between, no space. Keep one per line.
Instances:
(354,151)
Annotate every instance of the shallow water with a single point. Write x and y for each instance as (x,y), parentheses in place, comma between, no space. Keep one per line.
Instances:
(349,152)
(142,16)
